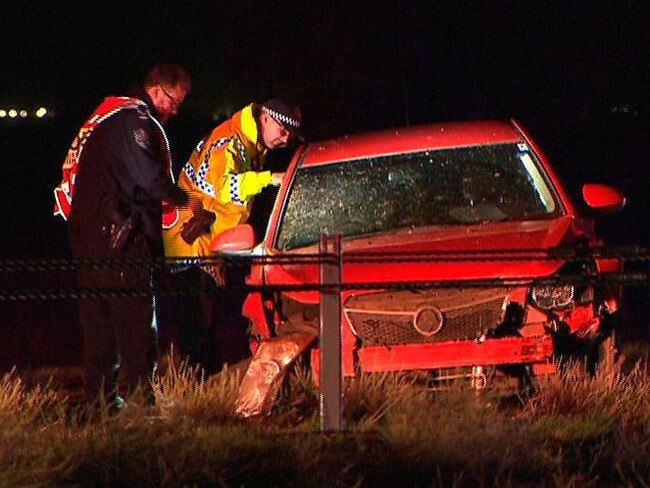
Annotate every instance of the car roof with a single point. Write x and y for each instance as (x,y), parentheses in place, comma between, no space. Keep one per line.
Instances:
(409,139)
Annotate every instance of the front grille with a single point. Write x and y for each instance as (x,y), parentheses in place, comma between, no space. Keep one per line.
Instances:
(388,318)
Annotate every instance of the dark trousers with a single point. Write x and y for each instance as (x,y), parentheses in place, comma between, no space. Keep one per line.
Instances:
(115,311)
(166,313)
(197,298)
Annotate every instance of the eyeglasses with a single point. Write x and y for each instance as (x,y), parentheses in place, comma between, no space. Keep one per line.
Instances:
(175,102)
(282,129)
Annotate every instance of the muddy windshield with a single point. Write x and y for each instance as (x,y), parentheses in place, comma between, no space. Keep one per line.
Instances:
(459,186)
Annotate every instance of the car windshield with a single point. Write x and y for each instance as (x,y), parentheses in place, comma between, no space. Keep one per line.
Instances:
(459,186)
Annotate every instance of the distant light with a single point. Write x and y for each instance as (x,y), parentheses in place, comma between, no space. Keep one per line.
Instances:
(22,113)
(625,108)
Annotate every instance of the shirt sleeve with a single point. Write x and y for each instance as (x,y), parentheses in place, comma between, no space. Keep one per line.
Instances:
(239,188)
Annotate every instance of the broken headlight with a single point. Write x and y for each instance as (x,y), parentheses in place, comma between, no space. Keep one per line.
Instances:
(557,297)
(552,297)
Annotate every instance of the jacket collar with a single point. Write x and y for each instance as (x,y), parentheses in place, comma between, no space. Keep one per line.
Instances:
(249,124)
(141,94)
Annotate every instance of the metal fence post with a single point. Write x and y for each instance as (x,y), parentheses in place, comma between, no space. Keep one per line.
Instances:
(331,377)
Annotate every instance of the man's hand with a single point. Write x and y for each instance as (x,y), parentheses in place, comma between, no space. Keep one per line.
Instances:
(276,178)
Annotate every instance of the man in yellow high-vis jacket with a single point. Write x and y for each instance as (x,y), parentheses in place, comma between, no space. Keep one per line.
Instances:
(225,171)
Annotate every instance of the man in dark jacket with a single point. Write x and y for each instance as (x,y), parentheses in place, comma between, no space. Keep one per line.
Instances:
(117,174)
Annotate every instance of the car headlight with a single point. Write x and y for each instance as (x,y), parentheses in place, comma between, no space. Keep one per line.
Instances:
(552,297)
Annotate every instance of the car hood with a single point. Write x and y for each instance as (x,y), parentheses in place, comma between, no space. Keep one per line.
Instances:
(489,251)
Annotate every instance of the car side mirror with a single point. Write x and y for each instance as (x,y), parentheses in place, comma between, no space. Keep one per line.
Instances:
(603,198)
(236,240)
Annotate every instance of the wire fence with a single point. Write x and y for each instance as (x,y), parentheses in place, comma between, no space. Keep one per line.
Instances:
(53,279)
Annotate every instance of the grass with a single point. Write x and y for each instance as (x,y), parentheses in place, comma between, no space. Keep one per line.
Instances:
(575,432)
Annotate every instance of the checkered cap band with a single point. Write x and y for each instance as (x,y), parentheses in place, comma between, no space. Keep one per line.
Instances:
(282,118)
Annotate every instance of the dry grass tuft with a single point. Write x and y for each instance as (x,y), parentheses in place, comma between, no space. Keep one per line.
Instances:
(29,404)
(184,392)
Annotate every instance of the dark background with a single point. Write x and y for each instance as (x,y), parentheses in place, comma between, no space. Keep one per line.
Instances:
(574,74)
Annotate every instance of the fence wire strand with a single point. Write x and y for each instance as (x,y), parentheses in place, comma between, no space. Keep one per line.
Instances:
(21,269)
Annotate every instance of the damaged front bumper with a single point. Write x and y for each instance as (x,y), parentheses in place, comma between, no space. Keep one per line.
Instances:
(271,360)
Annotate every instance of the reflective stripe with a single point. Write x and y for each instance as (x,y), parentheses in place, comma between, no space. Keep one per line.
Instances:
(200,178)
(235,186)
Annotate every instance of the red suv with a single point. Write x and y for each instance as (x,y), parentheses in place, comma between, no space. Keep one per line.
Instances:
(461,252)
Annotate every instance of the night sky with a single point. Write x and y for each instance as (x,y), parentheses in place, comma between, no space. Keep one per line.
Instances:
(352,65)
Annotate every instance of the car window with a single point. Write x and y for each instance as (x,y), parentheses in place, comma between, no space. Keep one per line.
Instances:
(459,186)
